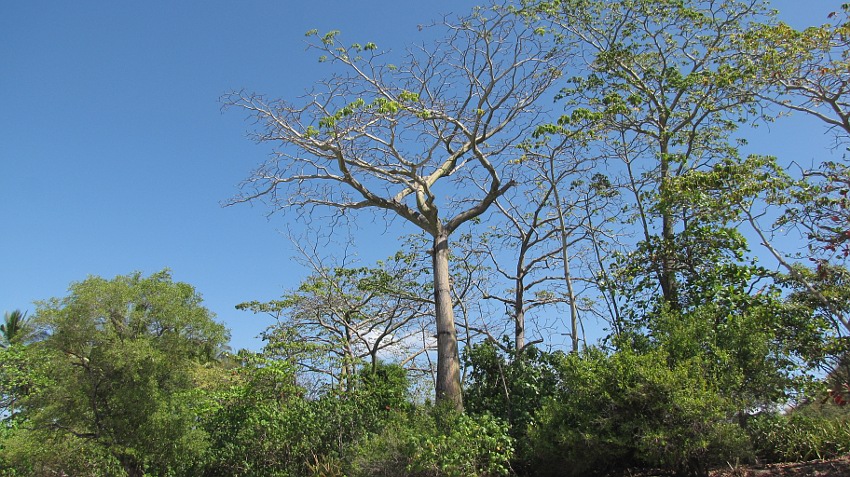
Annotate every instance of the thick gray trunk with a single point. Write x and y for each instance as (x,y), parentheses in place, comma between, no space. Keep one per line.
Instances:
(448,359)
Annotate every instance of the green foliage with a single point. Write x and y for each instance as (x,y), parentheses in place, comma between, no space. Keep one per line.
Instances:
(112,380)
(251,424)
(663,93)
(629,409)
(38,453)
(815,431)
(675,393)
(436,442)
(385,385)
(822,208)
(23,371)
(263,426)
(339,316)
(746,350)
(509,387)
(15,329)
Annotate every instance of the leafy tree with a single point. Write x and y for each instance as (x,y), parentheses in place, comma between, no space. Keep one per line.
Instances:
(724,288)
(663,82)
(392,137)
(23,370)
(807,72)
(679,390)
(120,358)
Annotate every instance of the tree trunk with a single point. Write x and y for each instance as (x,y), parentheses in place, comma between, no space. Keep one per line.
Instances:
(448,360)
(565,257)
(519,302)
(669,287)
(519,322)
(131,466)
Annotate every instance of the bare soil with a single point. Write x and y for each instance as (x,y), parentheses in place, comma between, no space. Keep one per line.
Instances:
(838,467)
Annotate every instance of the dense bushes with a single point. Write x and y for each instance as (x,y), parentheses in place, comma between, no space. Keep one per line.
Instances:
(263,425)
(673,400)
(682,389)
(436,442)
(813,431)
(630,409)
(676,393)
(511,388)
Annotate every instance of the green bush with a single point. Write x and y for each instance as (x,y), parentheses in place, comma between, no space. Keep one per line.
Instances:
(436,443)
(814,432)
(509,387)
(263,426)
(34,453)
(630,409)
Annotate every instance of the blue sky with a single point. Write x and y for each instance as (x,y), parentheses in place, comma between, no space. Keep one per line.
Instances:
(115,156)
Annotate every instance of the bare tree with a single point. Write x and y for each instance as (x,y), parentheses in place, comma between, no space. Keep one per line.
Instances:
(533,238)
(412,140)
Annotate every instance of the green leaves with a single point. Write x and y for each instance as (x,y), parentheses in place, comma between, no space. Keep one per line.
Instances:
(120,355)
(405,101)
(634,408)
(328,38)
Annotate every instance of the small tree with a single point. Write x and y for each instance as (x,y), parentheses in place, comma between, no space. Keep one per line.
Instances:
(428,141)
(354,314)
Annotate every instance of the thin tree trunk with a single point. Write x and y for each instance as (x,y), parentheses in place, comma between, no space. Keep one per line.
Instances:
(565,256)
(519,302)
(519,325)
(448,360)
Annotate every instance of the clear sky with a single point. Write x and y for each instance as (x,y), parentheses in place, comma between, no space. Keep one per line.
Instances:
(115,156)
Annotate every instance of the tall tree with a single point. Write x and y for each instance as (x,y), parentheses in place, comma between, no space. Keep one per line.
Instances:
(808,71)
(428,141)
(541,227)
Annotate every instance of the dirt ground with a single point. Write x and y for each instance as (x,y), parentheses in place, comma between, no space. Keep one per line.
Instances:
(838,467)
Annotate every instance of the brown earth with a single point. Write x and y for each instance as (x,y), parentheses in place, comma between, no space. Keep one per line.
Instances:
(838,467)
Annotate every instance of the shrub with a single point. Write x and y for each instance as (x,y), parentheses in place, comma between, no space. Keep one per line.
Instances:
(813,432)
(436,443)
(264,426)
(630,409)
(509,387)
